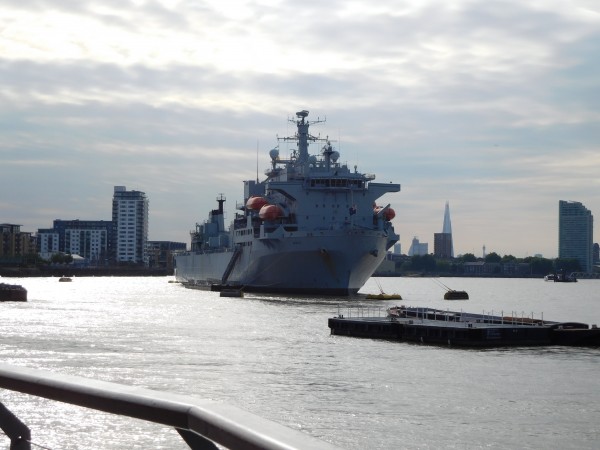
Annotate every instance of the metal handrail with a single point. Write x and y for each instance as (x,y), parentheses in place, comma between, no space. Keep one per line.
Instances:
(197,420)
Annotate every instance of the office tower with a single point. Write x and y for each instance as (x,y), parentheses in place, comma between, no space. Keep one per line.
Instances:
(442,245)
(418,248)
(575,233)
(130,216)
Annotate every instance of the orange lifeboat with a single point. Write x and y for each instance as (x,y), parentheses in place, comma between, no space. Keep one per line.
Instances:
(270,212)
(388,214)
(256,203)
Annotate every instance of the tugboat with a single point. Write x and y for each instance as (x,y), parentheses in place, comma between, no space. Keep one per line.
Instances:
(312,226)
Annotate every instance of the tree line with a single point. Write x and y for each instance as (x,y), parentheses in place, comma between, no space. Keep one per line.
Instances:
(535,265)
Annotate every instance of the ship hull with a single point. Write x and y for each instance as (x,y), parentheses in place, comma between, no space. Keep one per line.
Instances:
(331,263)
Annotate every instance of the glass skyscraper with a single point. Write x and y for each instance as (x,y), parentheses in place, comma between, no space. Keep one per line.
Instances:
(575,233)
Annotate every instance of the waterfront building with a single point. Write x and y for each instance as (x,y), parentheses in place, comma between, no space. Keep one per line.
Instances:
(15,243)
(130,216)
(575,233)
(48,242)
(90,239)
(161,253)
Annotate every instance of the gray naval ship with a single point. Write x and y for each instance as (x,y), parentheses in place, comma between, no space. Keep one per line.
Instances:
(312,226)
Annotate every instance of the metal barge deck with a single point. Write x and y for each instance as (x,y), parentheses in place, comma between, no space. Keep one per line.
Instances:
(433,326)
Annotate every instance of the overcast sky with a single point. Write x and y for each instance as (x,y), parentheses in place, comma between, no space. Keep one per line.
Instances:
(493,106)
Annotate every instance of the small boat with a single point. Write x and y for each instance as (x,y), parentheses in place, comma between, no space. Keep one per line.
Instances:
(561,277)
(65,279)
(456,295)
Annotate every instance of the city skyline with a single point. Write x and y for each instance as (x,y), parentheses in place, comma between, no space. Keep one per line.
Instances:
(490,106)
(420,249)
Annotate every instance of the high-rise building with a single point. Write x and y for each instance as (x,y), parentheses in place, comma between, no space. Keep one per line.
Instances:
(575,233)
(447,229)
(442,245)
(418,248)
(130,216)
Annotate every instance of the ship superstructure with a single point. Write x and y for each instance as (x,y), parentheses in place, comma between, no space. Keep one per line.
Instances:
(312,226)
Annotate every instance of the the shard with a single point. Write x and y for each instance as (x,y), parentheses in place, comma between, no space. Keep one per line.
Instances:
(448,227)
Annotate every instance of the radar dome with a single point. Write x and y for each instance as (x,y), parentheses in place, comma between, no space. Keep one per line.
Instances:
(274,154)
(335,155)
(312,159)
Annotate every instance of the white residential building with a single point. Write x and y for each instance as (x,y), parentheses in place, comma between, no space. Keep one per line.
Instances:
(130,216)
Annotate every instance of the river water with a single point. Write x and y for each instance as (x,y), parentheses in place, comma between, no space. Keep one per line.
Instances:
(274,356)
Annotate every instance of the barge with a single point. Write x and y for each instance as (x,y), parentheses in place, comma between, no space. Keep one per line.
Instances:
(435,326)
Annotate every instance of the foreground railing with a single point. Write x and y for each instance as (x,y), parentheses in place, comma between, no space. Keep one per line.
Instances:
(201,423)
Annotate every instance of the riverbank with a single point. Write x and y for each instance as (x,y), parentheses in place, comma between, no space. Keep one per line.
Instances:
(74,271)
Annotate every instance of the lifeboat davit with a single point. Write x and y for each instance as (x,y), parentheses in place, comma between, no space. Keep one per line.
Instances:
(256,203)
(270,212)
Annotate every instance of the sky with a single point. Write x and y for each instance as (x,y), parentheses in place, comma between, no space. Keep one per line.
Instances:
(493,106)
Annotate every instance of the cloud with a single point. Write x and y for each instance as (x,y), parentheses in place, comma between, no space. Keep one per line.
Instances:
(490,105)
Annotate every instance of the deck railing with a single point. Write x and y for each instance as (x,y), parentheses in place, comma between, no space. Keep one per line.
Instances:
(201,423)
